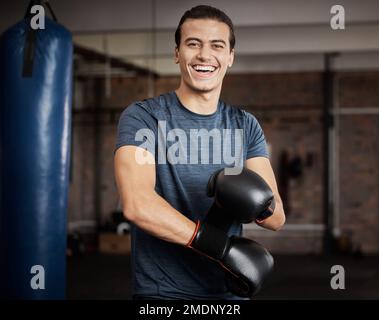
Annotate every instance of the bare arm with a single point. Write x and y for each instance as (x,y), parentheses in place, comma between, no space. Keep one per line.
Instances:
(262,166)
(142,205)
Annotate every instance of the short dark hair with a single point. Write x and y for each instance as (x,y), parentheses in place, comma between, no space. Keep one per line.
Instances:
(206,12)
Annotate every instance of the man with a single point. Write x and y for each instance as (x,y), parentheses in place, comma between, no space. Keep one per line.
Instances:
(162,170)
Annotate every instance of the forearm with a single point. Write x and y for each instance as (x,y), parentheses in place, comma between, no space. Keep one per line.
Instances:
(277,219)
(154,215)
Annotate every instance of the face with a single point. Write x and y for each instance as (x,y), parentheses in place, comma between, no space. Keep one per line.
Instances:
(204,54)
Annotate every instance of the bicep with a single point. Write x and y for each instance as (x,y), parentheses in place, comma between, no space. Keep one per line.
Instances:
(134,172)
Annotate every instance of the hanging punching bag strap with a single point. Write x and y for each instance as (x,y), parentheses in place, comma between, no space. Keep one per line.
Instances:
(31,38)
(40,3)
(29,50)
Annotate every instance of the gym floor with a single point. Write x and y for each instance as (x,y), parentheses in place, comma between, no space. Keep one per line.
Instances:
(107,277)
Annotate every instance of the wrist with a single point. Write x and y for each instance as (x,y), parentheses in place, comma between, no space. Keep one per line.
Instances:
(209,241)
(267,213)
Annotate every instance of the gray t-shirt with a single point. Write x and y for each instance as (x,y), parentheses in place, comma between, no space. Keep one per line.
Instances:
(188,147)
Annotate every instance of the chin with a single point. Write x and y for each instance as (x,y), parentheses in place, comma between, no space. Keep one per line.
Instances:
(203,88)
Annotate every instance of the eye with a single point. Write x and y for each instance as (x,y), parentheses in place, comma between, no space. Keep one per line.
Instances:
(218,46)
(193,44)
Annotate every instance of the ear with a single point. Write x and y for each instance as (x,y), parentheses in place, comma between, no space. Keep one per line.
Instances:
(231,58)
(176,55)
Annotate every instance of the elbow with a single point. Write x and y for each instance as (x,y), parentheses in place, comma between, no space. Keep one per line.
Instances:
(279,223)
(130,212)
(279,217)
(136,207)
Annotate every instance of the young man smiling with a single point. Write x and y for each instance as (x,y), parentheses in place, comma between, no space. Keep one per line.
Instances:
(164,199)
(205,50)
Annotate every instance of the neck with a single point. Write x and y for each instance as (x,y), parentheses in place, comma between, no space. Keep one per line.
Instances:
(199,102)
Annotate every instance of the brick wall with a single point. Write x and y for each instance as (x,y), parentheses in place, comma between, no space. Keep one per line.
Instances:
(358,160)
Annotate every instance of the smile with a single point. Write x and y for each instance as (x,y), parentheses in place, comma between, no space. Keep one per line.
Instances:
(204,68)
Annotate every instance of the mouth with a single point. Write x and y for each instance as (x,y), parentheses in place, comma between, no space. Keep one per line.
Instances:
(204,71)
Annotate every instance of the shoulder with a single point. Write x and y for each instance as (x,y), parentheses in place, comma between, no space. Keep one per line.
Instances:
(150,106)
(239,112)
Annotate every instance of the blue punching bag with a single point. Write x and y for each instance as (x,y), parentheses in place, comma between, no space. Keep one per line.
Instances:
(35,135)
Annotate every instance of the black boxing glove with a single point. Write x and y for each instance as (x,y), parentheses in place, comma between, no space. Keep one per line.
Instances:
(246,263)
(243,198)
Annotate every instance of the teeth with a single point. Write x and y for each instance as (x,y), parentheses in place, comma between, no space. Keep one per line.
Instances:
(204,68)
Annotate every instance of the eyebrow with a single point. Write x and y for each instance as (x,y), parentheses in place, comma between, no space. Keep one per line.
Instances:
(199,40)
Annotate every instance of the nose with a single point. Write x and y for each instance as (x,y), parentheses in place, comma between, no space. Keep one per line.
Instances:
(204,53)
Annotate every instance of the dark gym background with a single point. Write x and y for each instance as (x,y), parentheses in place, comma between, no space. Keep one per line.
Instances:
(314,90)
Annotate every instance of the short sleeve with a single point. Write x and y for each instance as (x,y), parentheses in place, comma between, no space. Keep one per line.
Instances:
(255,138)
(136,127)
